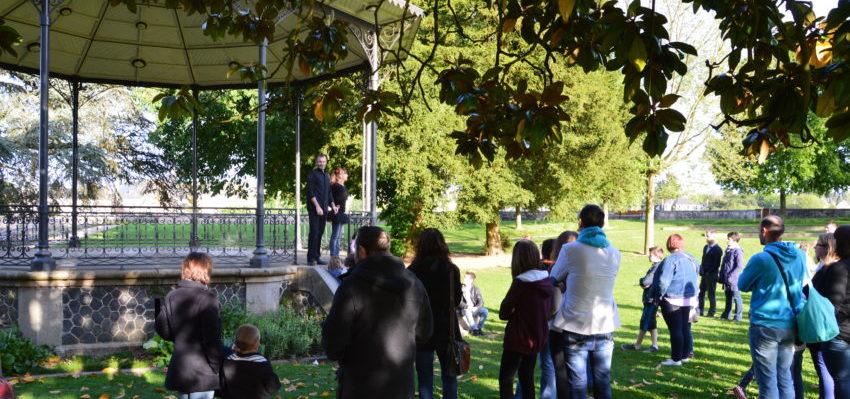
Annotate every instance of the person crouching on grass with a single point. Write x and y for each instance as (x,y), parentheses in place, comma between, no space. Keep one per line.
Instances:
(648,321)
(246,373)
(527,307)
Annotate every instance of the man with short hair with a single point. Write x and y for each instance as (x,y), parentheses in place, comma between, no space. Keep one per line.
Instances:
(588,313)
(775,277)
(379,313)
(472,304)
(319,200)
(709,269)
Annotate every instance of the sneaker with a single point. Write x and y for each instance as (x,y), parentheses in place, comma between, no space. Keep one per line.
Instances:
(671,362)
(685,360)
(739,392)
(652,349)
(630,347)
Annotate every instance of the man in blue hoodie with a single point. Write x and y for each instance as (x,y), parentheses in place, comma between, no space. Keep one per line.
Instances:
(772,276)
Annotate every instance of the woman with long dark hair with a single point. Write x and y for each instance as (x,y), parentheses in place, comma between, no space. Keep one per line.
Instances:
(441,279)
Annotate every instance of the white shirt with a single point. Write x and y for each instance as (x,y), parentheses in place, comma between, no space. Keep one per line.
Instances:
(588,306)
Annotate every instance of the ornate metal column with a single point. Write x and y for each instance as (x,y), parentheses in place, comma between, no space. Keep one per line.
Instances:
(261,255)
(74,241)
(43,260)
(193,238)
(368,39)
(299,98)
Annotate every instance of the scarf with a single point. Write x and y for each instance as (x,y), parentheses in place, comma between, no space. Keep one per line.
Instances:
(593,236)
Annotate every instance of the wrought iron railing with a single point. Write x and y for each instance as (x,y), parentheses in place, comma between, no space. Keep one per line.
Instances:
(130,235)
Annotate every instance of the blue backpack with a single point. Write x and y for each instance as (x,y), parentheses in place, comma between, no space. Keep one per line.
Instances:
(816,322)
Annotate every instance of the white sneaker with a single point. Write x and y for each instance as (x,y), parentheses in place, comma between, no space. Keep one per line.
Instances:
(685,360)
(671,362)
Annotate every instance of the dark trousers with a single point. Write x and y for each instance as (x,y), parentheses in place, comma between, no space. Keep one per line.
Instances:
(562,380)
(708,283)
(314,239)
(513,362)
(677,321)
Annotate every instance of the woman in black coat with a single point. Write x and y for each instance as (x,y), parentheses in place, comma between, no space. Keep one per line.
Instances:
(441,279)
(190,318)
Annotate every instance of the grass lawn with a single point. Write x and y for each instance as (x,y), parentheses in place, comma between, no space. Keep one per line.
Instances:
(722,354)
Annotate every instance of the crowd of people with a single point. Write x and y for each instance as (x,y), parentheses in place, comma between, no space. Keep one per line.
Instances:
(389,321)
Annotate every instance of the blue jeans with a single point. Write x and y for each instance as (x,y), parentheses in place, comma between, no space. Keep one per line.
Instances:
(836,355)
(196,395)
(733,296)
(336,232)
(772,350)
(425,376)
(578,349)
(826,387)
(480,313)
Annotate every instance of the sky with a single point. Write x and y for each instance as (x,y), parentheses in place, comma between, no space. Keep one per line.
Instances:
(694,173)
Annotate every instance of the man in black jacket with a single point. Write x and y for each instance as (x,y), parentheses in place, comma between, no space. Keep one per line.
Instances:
(318,201)
(709,269)
(379,313)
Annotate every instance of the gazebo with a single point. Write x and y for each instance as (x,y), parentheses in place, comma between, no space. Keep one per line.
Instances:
(90,41)
(93,302)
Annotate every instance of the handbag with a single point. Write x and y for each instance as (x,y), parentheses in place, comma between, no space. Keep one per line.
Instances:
(6,391)
(816,322)
(459,351)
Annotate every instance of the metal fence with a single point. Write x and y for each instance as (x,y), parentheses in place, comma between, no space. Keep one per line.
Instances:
(125,235)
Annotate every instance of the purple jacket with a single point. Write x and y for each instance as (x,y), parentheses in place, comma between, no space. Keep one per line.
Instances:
(733,264)
(527,307)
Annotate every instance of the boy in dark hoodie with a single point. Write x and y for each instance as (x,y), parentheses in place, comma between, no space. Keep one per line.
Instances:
(245,373)
(527,307)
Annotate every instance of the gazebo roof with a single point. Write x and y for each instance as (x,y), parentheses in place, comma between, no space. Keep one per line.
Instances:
(94,42)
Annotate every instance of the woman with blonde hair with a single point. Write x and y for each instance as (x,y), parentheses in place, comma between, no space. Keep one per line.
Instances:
(190,318)
(338,217)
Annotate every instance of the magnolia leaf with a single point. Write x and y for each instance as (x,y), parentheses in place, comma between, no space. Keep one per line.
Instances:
(637,54)
(508,25)
(566,8)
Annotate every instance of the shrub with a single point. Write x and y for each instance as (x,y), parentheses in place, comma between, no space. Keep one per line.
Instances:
(284,333)
(18,354)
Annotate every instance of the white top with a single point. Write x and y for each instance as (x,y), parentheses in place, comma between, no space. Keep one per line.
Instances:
(588,306)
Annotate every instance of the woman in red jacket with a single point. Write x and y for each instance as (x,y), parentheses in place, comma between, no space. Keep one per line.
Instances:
(527,307)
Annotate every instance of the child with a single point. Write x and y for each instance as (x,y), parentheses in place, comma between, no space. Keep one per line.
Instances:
(648,318)
(472,304)
(527,307)
(245,373)
(733,264)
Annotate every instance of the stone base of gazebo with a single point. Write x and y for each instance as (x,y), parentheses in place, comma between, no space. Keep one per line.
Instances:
(110,310)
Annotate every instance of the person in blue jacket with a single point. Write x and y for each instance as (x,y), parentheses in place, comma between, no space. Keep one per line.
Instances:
(674,289)
(733,263)
(772,276)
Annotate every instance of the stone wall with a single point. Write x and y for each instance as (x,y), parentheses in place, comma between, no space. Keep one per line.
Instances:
(8,306)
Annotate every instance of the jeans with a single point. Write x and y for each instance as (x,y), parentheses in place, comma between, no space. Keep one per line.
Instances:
(513,362)
(772,350)
(739,305)
(336,232)
(826,387)
(708,283)
(314,239)
(425,376)
(836,355)
(480,313)
(578,349)
(797,372)
(678,322)
(196,395)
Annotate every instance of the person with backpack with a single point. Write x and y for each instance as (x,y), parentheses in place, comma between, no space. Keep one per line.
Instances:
(526,307)
(674,289)
(775,278)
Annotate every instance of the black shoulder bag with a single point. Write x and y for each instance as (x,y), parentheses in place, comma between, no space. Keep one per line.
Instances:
(459,351)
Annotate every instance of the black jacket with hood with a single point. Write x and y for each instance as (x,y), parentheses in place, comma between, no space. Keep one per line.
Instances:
(435,274)
(379,314)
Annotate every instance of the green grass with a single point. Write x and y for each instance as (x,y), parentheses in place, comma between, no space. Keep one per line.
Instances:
(722,354)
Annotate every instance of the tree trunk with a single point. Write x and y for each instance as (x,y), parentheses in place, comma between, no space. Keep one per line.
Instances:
(783,208)
(518,218)
(605,210)
(494,239)
(649,227)
(415,229)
